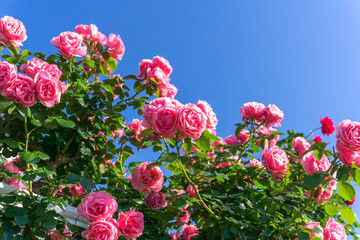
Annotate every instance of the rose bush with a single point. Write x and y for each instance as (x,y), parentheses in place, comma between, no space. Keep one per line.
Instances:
(64,141)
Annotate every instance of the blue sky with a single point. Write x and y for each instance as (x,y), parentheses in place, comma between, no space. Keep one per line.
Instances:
(303,56)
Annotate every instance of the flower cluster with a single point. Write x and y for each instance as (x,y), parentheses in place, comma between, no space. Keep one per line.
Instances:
(272,115)
(168,116)
(42,81)
(98,208)
(157,71)
(70,44)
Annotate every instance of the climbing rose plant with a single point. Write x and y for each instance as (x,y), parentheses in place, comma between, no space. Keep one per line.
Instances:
(65,142)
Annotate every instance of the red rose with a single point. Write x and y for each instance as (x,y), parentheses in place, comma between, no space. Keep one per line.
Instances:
(327,126)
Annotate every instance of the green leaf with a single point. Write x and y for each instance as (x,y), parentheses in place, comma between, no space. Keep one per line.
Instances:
(346,190)
(276,133)
(25,53)
(187,145)
(21,219)
(348,215)
(104,70)
(304,236)
(72,178)
(88,184)
(312,181)
(111,63)
(41,155)
(4,104)
(357,177)
(331,210)
(211,136)
(35,122)
(50,123)
(318,154)
(238,129)
(2,159)
(7,235)
(65,123)
(151,165)
(180,203)
(203,143)
(90,63)
(48,222)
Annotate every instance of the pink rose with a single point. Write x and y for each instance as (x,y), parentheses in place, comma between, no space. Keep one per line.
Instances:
(300,145)
(334,230)
(88,32)
(189,231)
(253,110)
(137,126)
(163,64)
(191,191)
(144,65)
(102,229)
(69,44)
(116,46)
(21,90)
(165,121)
(275,162)
(273,116)
(155,200)
(244,136)
(147,180)
(231,140)
(97,206)
(315,225)
(347,156)
(175,236)
(211,120)
(33,66)
(8,73)
(79,190)
(48,88)
(53,70)
(131,223)
(266,132)
(12,30)
(167,90)
(311,165)
(348,133)
(256,162)
(158,75)
(148,110)
(192,121)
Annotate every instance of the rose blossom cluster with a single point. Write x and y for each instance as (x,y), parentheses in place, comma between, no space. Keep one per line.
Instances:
(42,82)
(348,142)
(12,31)
(157,71)
(98,208)
(270,115)
(71,43)
(167,116)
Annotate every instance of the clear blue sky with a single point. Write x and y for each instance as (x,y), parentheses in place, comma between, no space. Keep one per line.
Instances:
(303,56)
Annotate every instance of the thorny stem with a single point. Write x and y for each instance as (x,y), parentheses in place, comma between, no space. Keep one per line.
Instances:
(194,187)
